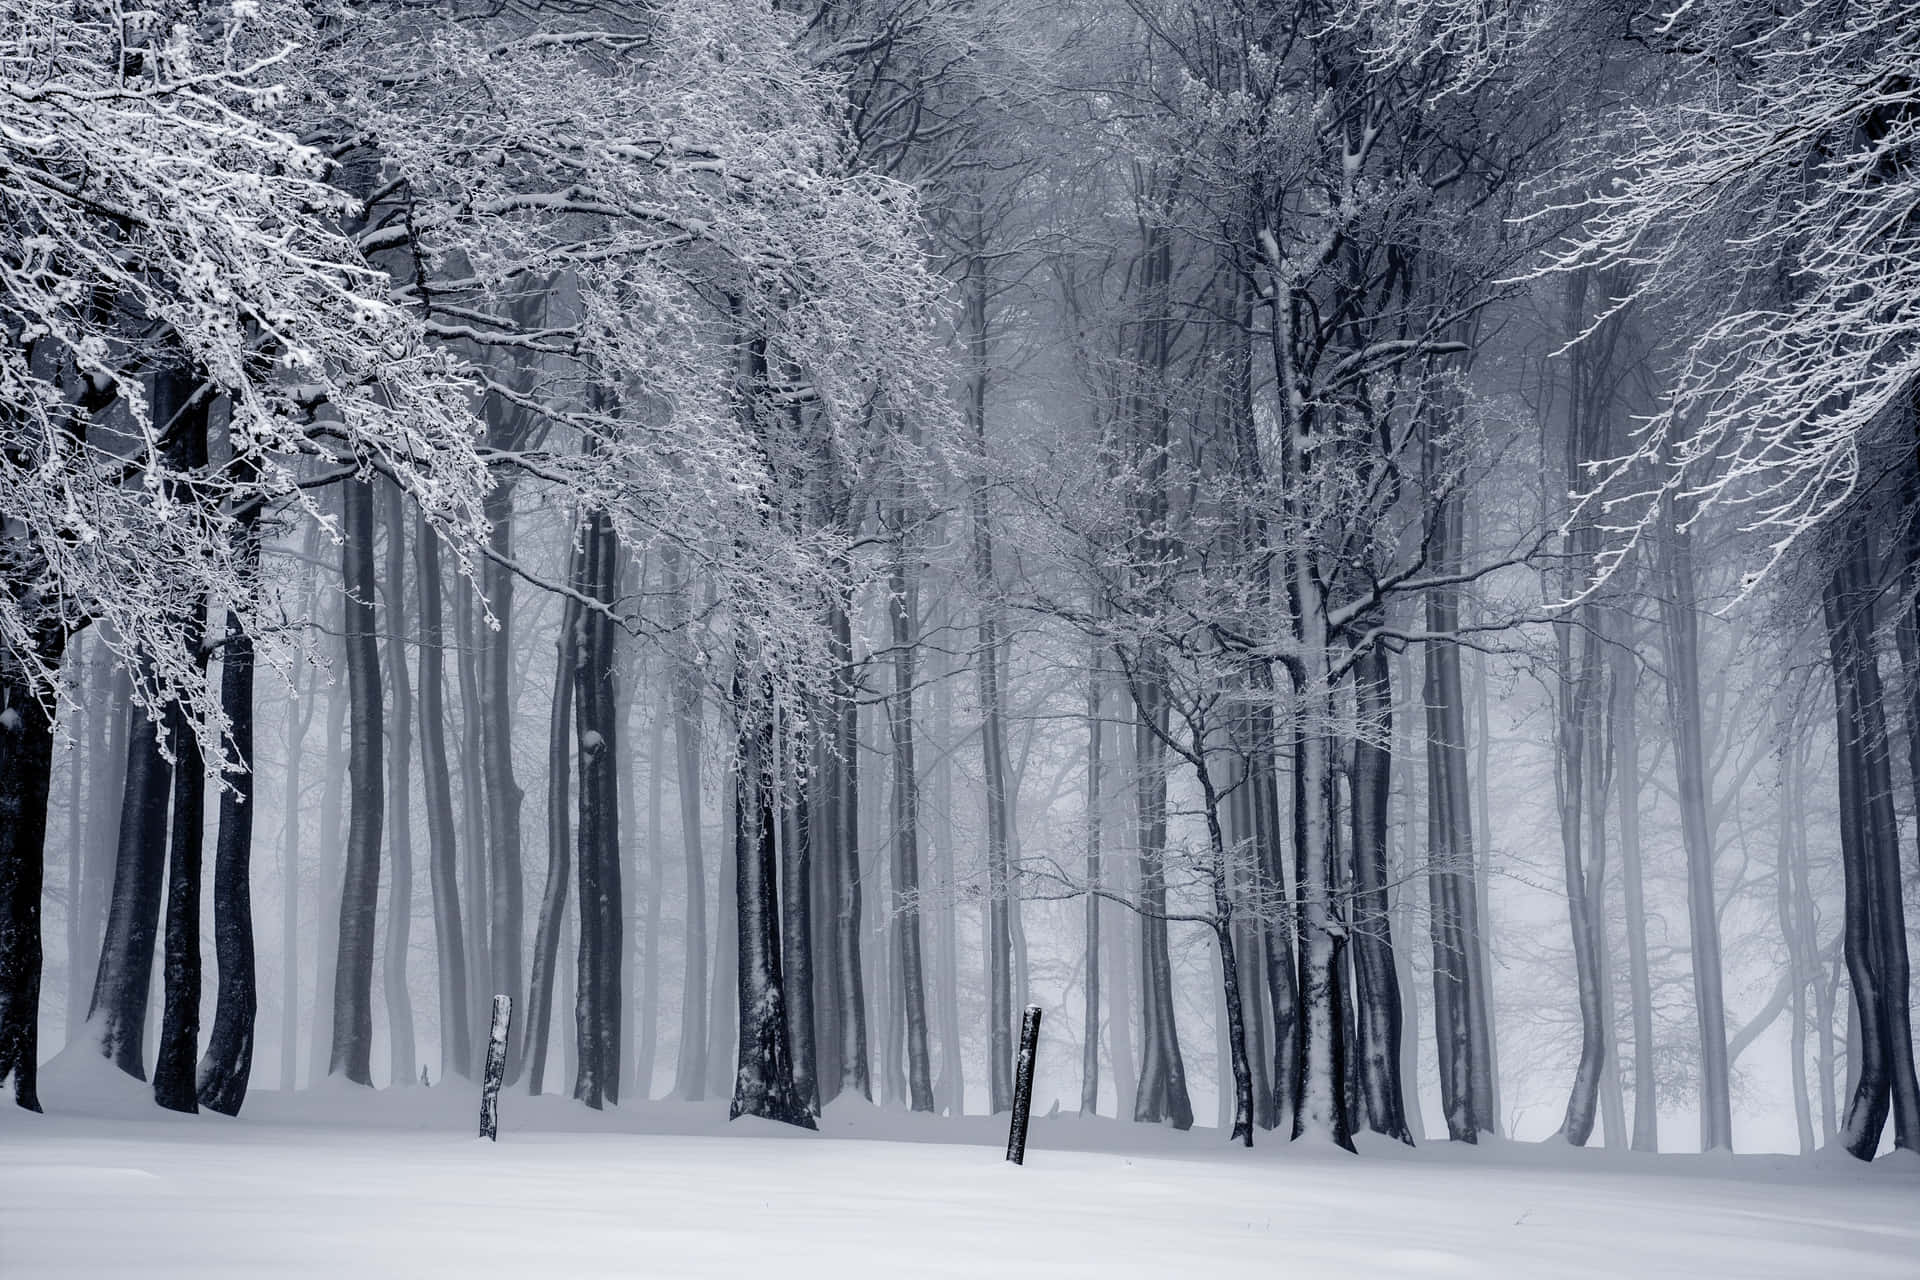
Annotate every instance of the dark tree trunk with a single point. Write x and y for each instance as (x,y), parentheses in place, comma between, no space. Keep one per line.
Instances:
(26,781)
(1873,923)
(1462,1023)
(763,1084)
(1283,987)
(1222,922)
(1162,1092)
(173,1071)
(327,890)
(366,801)
(796,919)
(1378,996)
(1320,1105)
(227,1065)
(119,1010)
(850,993)
(600,991)
(450,947)
(553,898)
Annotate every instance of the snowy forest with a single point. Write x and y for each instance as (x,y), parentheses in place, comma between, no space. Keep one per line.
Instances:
(1361,555)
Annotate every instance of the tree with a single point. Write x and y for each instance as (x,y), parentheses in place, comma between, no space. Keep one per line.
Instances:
(203,241)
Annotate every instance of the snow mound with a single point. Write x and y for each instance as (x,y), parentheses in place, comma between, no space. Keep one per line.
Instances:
(78,1081)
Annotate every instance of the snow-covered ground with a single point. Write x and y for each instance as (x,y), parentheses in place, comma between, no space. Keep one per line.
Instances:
(352,1184)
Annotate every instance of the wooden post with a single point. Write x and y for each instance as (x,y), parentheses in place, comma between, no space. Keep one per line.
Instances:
(496,1068)
(1023,1085)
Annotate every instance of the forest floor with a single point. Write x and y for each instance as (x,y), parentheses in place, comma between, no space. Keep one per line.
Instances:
(351,1183)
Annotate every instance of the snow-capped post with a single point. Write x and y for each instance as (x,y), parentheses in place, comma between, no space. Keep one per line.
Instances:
(496,1068)
(1023,1085)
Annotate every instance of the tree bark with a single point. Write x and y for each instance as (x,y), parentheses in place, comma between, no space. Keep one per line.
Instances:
(1375,976)
(400,1047)
(553,898)
(1090,959)
(850,996)
(763,1084)
(360,888)
(299,718)
(646,1051)
(690,1071)
(1626,749)
(1161,1095)
(602,993)
(450,947)
(1873,924)
(118,1013)
(227,1065)
(173,1070)
(26,782)
(904,611)
(796,917)
(473,810)
(1679,609)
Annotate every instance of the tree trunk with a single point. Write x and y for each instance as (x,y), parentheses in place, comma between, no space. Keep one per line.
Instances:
(400,1046)
(1320,1111)
(850,995)
(992,728)
(505,886)
(1162,1092)
(763,1085)
(1679,610)
(110,702)
(118,1013)
(690,1070)
(647,1050)
(949,1084)
(80,661)
(1375,976)
(450,947)
(473,811)
(1626,751)
(26,782)
(173,1071)
(227,1065)
(1786,908)
(1090,960)
(796,918)
(360,886)
(553,898)
(299,717)
(602,992)
(1576,735)
(1874,927)
(723,1023)
(327,888)
(1462,1024)
(904,610)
